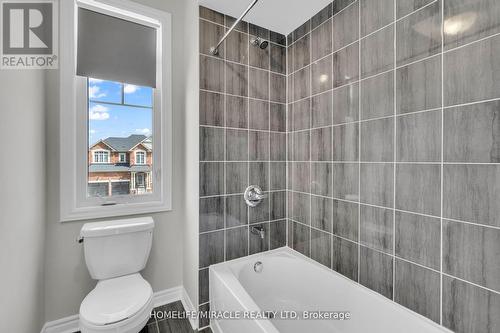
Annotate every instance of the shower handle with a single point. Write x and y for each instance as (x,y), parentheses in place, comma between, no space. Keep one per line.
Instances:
(253,195)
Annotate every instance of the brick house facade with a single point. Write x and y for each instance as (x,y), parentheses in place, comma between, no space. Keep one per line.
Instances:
(120,166)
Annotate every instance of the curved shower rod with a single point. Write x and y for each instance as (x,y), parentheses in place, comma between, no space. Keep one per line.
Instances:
(215,49)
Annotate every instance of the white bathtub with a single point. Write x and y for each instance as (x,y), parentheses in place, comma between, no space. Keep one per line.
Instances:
(293,282)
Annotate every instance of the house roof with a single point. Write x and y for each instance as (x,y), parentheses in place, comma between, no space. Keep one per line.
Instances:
(124,144)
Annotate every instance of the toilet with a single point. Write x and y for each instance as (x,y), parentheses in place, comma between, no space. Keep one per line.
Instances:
(115,252)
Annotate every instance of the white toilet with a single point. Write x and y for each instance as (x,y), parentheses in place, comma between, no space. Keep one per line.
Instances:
(115,252)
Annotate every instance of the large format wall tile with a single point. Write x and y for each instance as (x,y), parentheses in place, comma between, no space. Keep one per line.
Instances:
(345,257)
(376,228)
(469,309)
(211,213)
(418,188)
(377,140)
(418,289)
(210,34)
(345,104)
(321,213)
(470,252)
(377,96)
(346,27)
(211,109)
(480,19)
(321,247)
(236,79)
(321,41)
(299,237)
(345,142)
(478,80)
(405,7)
(211,248)
(418,86)
(419,35)
(321,109)
(377,52)
(345,65)
(375,271)
(472,133)
(419,137)
(321,178)
(375,14)
(236,112)
(345,181)
(236,242)
(345,219)
(418,239)
(472,193)
(237,47)
(211,74)
(377,184)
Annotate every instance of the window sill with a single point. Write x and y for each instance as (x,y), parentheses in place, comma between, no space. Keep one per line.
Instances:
(96,212)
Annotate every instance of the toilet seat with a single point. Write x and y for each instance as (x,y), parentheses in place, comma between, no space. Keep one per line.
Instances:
(120,304)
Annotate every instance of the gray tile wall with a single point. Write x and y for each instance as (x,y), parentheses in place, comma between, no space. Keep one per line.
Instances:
(394,151)
(242,142)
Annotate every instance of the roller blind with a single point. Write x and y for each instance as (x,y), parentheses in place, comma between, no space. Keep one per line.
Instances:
(114,49)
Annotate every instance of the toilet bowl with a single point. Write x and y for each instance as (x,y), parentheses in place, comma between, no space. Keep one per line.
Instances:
(115,252)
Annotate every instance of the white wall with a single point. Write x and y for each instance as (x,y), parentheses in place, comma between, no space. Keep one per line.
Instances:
(22,200)
(66,278)
(191,231)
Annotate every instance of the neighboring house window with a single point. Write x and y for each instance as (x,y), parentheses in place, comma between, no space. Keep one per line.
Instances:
(140,157)
(124,90)
(101,156)
(122,157)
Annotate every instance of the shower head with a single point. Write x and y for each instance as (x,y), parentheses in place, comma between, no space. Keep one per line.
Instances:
(260,42)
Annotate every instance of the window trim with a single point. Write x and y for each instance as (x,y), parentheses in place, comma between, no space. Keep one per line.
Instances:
(120,157)
(74,204)
(145,157)
(100,151)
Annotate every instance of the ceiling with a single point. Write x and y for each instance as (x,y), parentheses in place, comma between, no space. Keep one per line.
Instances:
(281,16)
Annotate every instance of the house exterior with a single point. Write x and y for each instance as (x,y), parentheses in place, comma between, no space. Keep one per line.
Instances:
(120,166)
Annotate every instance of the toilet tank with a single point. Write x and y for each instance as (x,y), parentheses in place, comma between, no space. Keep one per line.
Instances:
(117,248)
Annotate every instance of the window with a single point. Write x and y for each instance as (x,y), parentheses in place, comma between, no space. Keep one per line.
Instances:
(101,156)
(120,116)
(122,158)
(115,113)
(140,157)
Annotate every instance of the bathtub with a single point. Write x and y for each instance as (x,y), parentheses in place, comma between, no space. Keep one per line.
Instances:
(245,301)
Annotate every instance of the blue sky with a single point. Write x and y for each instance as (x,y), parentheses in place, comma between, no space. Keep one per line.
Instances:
(107,120)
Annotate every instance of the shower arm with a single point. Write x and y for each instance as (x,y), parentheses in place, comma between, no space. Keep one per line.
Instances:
(215,49)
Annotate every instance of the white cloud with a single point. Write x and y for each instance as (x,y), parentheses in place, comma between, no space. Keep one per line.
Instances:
(130,88)
(98,112)
(94,92)
(143,131)
(92,131)
(91,80)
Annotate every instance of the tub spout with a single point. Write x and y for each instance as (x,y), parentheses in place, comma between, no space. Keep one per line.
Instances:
(258,230)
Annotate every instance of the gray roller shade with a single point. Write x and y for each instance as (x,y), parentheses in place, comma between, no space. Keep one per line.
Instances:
(110,48)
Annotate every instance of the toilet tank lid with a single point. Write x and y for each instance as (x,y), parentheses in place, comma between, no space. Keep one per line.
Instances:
(115,227)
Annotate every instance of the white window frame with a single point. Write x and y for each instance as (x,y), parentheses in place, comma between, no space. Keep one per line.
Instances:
(145,157)
(120,157)
(101,151)
(74,203)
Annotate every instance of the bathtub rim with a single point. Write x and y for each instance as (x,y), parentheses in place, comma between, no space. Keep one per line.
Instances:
(224,270)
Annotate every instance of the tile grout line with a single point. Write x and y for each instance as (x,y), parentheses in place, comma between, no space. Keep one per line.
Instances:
(399,210)
(359,144)
(394,155)
(310,148)
(441,170)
